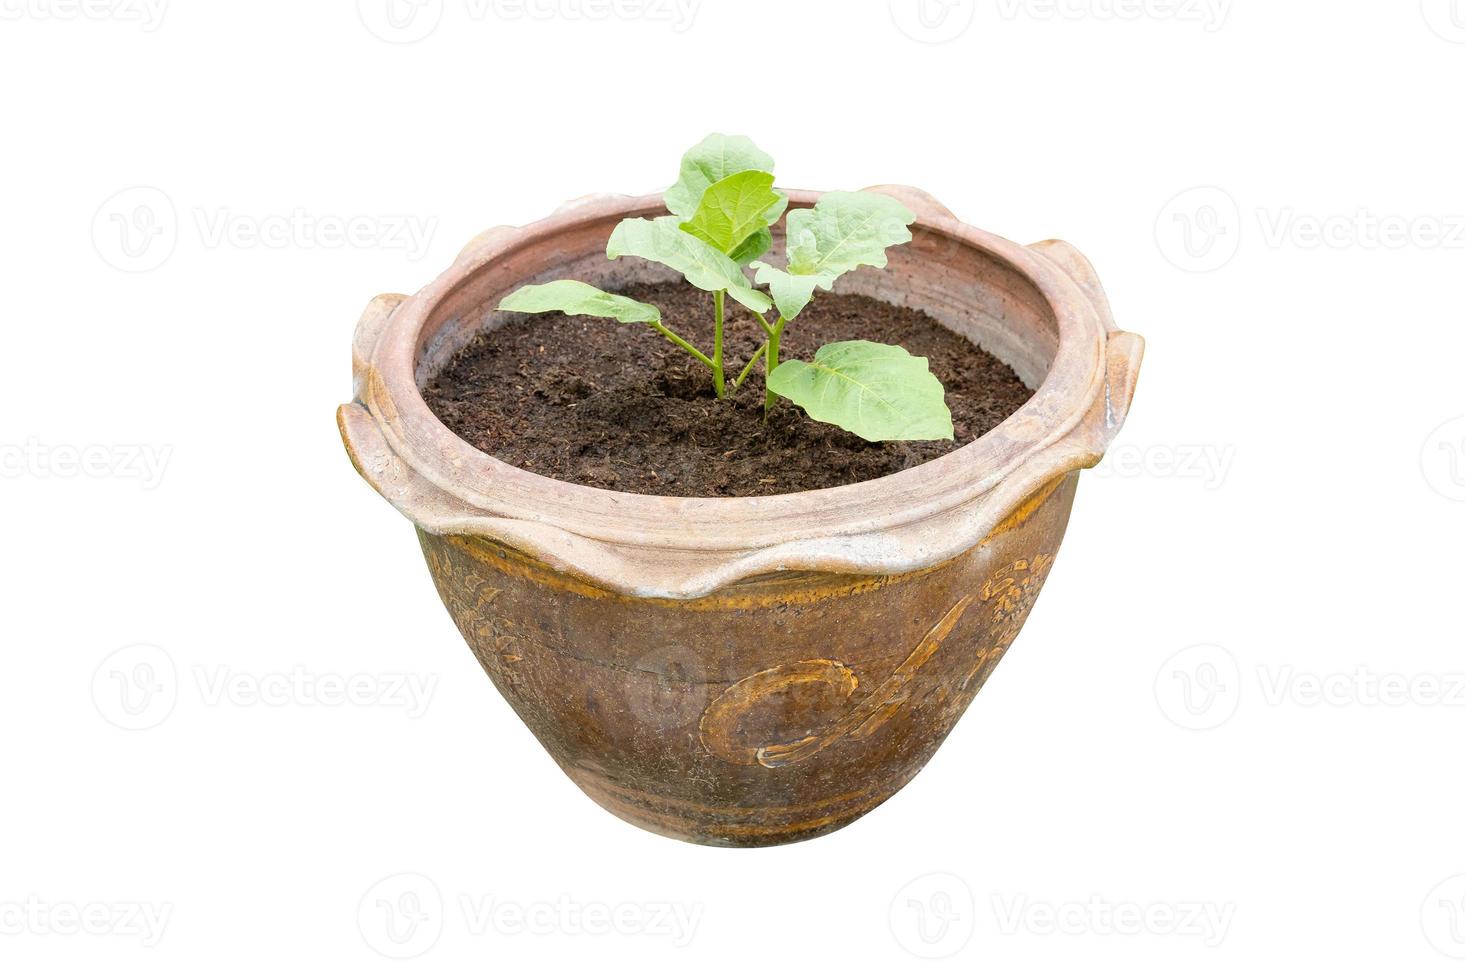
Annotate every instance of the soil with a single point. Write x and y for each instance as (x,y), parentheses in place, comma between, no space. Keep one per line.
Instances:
(615,406)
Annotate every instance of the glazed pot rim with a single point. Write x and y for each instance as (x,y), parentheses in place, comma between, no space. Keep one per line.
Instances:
(447,485)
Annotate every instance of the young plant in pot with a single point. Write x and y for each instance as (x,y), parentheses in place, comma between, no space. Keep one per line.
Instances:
(754,669)
(722,208)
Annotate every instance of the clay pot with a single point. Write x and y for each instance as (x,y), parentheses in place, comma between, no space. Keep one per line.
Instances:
(761,670)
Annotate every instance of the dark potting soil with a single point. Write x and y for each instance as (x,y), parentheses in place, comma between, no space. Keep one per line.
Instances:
(615,406)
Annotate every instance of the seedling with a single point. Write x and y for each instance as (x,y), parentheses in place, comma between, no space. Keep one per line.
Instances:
(723,207)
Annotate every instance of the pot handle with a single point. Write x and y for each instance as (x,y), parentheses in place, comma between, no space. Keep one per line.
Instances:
(1125,351)
(368,331)
(379,465)
(362,433)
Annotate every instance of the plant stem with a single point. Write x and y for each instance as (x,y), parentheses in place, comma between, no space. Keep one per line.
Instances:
(762,322)
(757,356)
(719,381)
(684,345)
(770,362)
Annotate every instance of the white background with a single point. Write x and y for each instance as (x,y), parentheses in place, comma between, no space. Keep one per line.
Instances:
(1279,527)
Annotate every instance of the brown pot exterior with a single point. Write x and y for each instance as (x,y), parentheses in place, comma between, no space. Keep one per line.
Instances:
(749,671)
(768,712)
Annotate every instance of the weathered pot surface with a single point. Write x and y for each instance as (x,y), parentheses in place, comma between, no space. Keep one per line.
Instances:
(753,670)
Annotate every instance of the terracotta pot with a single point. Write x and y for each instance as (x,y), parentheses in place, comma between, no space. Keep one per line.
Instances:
(755,670)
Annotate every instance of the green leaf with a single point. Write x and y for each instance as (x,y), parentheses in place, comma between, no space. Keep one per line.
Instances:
(570,296)
(753,247)
(733,210)
(711,160)
(840,233)
(791,293)
(846,230)
(661,240)
(877,391)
